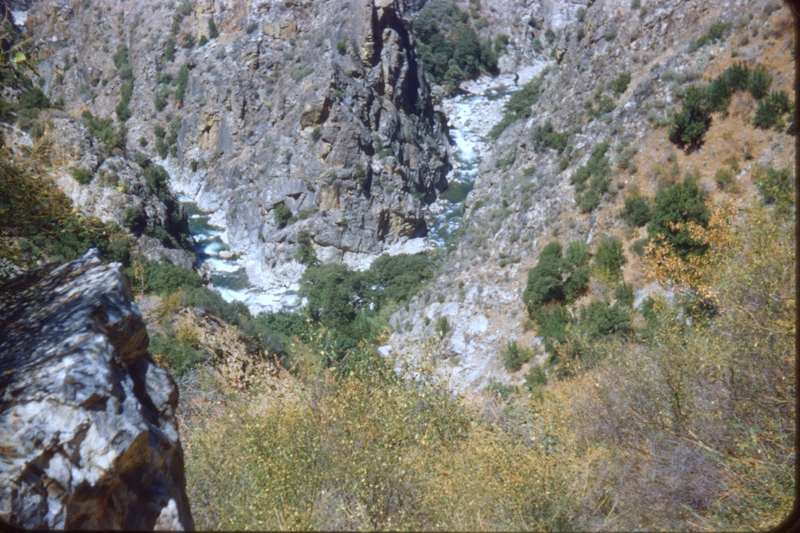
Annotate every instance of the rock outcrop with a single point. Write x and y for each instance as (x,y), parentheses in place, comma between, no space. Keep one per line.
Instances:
(320,106)
(87,420)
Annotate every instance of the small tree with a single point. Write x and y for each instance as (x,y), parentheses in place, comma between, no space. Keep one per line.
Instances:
(281,215)
(544,280)
(609,258)
(683,202)
(691,123)
(213,32)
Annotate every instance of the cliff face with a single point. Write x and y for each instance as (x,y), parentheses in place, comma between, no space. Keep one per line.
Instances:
(523,196)
(320,106)
(87,420)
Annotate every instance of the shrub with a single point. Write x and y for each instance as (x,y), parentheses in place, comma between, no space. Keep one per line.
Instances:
(724,178)
(546,137)
(169,49)
(717,31)
(163,278)
(759,82)
(142,141)
(620,83)
(690,124)
(637,247)
(160,99)
(592,180)
(600,320)
(770,110)
(776,187)
(442,326)
(179,355)
(515,356)
(281,215)
(34,98)
(361,176)
(341,46)
(518,106)
(610,33)
(183,82)
(82,175)
(550,35)
(305,254)
(636,211)
(624,294)
(316,134)
(535,379)
(544,280)
(718,94)
(134,218)
(609,258)
(552,322)
(213,32)
(681,203)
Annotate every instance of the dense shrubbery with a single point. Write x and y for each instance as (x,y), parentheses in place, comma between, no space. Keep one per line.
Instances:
(449,48)
(103,129)
(770,111)
(683,202)
(592,180)
(636,211)
(557,279)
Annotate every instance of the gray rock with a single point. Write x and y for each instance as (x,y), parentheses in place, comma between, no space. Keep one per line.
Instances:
(87,420)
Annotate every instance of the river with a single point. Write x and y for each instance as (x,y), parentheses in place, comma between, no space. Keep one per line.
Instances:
(470,116)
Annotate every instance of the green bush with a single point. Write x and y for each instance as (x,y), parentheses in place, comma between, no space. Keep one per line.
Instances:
(620,83)
(163,278)
(546,137)
(305,254)
(442,326)
(624,294)
(592,180)
(691,123)
(183,82)
(776,187)
(609,258)
(544,280)
(82,175)
(600,320)
(550,35)
(213,32)
(636,211)
(724,178)
(34,98)
(169,49)
(515,356)
(281,215)
(552,323)
(535,379)
(770,111)
(103,128)
(395,278)
(518,106)
(683,202)
(316,134)
(134,218)
(718,94)
(637,247)
(717,31)
(178,354)
(361,176)
(341,46)
(759,82)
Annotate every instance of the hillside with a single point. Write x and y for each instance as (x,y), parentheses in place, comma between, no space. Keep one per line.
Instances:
(474,265)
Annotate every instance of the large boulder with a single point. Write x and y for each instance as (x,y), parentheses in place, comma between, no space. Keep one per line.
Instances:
(87,420)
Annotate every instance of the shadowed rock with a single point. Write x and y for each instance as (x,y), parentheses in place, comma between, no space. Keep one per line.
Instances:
(87,420)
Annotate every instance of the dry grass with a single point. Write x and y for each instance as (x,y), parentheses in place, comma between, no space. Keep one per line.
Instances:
(687,427)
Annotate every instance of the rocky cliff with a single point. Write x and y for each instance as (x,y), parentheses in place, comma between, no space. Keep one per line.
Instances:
(89,438)
(524,197)
(321,107)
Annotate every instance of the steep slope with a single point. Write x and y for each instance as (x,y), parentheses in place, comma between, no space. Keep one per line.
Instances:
(525,197)
(317,106)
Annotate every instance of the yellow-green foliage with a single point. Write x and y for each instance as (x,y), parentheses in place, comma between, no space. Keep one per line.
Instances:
(682,426)
(371,451)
